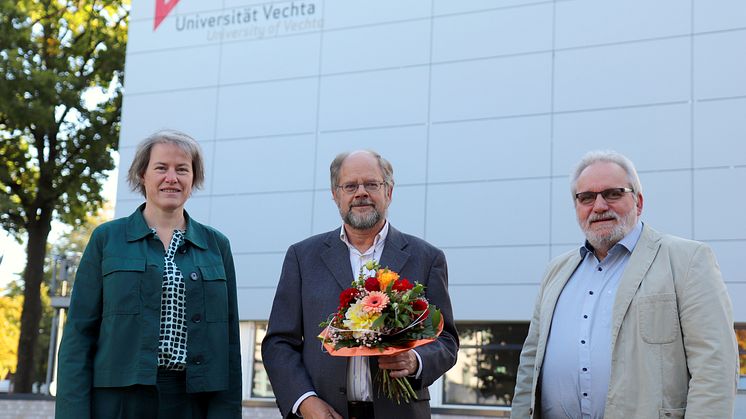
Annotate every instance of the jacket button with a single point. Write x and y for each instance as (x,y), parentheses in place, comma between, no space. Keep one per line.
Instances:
(182,250)
(193,276)
(342,390)
(197,360)
(196,318)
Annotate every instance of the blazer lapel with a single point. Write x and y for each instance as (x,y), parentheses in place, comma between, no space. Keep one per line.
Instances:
(394,256)
(638,265)
(336,257)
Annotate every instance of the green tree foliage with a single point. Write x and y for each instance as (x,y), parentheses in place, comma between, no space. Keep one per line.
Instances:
(55,145)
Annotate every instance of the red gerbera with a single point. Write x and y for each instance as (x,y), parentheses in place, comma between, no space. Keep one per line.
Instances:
(402,285)
(371,284)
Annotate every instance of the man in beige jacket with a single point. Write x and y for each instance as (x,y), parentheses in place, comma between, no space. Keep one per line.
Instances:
(634,324)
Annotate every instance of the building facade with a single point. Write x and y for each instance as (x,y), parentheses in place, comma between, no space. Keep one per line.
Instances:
(482,107)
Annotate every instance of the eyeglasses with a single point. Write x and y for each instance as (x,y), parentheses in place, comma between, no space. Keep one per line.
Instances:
(609,195)
(369,186)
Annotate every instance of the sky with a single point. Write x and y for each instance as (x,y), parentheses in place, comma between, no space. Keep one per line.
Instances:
(14,254)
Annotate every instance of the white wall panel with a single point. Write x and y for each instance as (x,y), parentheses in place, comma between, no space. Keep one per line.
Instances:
(259,269)
(510,31)
(404,147)
(720,133)
(490,149)
(714,15)
(653,137)
(496,265)
(490,302)
(191,111)
(380,98)
(254,303)
(564,228)
(720,65)
(380,46)
(718,204)
(255,110)
(325,212)
(488,88)
(346,13)
(450,7)
(262,222)
(622,75)
(270,59)
(593,22)
(665,194)
(407,207)
(171,70)
(730,257)
(243,165)
(488,213)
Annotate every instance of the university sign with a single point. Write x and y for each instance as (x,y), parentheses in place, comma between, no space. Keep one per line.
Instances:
(247,22)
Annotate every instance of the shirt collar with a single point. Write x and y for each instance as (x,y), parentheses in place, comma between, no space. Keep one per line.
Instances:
(380,237)
(628,242)
(138,229)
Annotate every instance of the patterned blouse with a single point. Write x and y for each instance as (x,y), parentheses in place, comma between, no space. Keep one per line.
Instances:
(172,339)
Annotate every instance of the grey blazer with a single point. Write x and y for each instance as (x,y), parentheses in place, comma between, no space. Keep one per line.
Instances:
(674,352)
(315,271)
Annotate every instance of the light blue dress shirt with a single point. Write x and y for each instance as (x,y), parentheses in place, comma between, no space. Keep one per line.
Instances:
(577,362)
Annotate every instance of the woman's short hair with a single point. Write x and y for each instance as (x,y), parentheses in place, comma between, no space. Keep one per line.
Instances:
(386,168)
(186,143)
(606,156)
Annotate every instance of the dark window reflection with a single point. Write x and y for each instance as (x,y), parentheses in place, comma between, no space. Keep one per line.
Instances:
(487,363)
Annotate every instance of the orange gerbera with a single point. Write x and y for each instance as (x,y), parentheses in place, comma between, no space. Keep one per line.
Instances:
(374,302)
(385,277)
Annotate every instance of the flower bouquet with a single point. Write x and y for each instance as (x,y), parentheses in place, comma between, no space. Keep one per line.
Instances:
(382,314)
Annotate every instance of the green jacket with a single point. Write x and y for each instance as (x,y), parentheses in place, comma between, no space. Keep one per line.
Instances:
(111,334)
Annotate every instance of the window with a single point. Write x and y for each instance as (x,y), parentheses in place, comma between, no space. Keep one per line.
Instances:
(260,386)
(485,372)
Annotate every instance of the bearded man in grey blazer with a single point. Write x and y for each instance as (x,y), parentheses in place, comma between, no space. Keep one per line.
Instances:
(634,324)
(314,384)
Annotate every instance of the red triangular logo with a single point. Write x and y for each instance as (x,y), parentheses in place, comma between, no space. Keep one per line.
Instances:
(162,9)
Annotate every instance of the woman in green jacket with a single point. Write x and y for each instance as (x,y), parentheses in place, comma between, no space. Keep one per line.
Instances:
(152,330)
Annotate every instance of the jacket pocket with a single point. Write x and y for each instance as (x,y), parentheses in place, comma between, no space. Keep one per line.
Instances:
(658,318)
(121,285)
(671,413)
(216,293)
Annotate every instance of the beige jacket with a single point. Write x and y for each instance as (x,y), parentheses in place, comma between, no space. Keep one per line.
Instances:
(674,351)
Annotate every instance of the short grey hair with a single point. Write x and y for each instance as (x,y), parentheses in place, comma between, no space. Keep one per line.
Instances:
(606,156)
(386,168)
(186,143)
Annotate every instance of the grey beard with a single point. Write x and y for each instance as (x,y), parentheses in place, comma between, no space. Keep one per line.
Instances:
(362,222)
(625,225)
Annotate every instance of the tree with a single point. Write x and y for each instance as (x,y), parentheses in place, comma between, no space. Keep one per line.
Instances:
(55,144)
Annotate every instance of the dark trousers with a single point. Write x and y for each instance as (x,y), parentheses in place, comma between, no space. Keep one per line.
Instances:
(167,399)
(360,410)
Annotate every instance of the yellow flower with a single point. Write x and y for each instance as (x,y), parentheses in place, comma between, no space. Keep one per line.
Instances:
(358,320)
(385,277)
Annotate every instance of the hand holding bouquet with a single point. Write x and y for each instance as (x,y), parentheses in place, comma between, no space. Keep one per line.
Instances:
(382,314)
